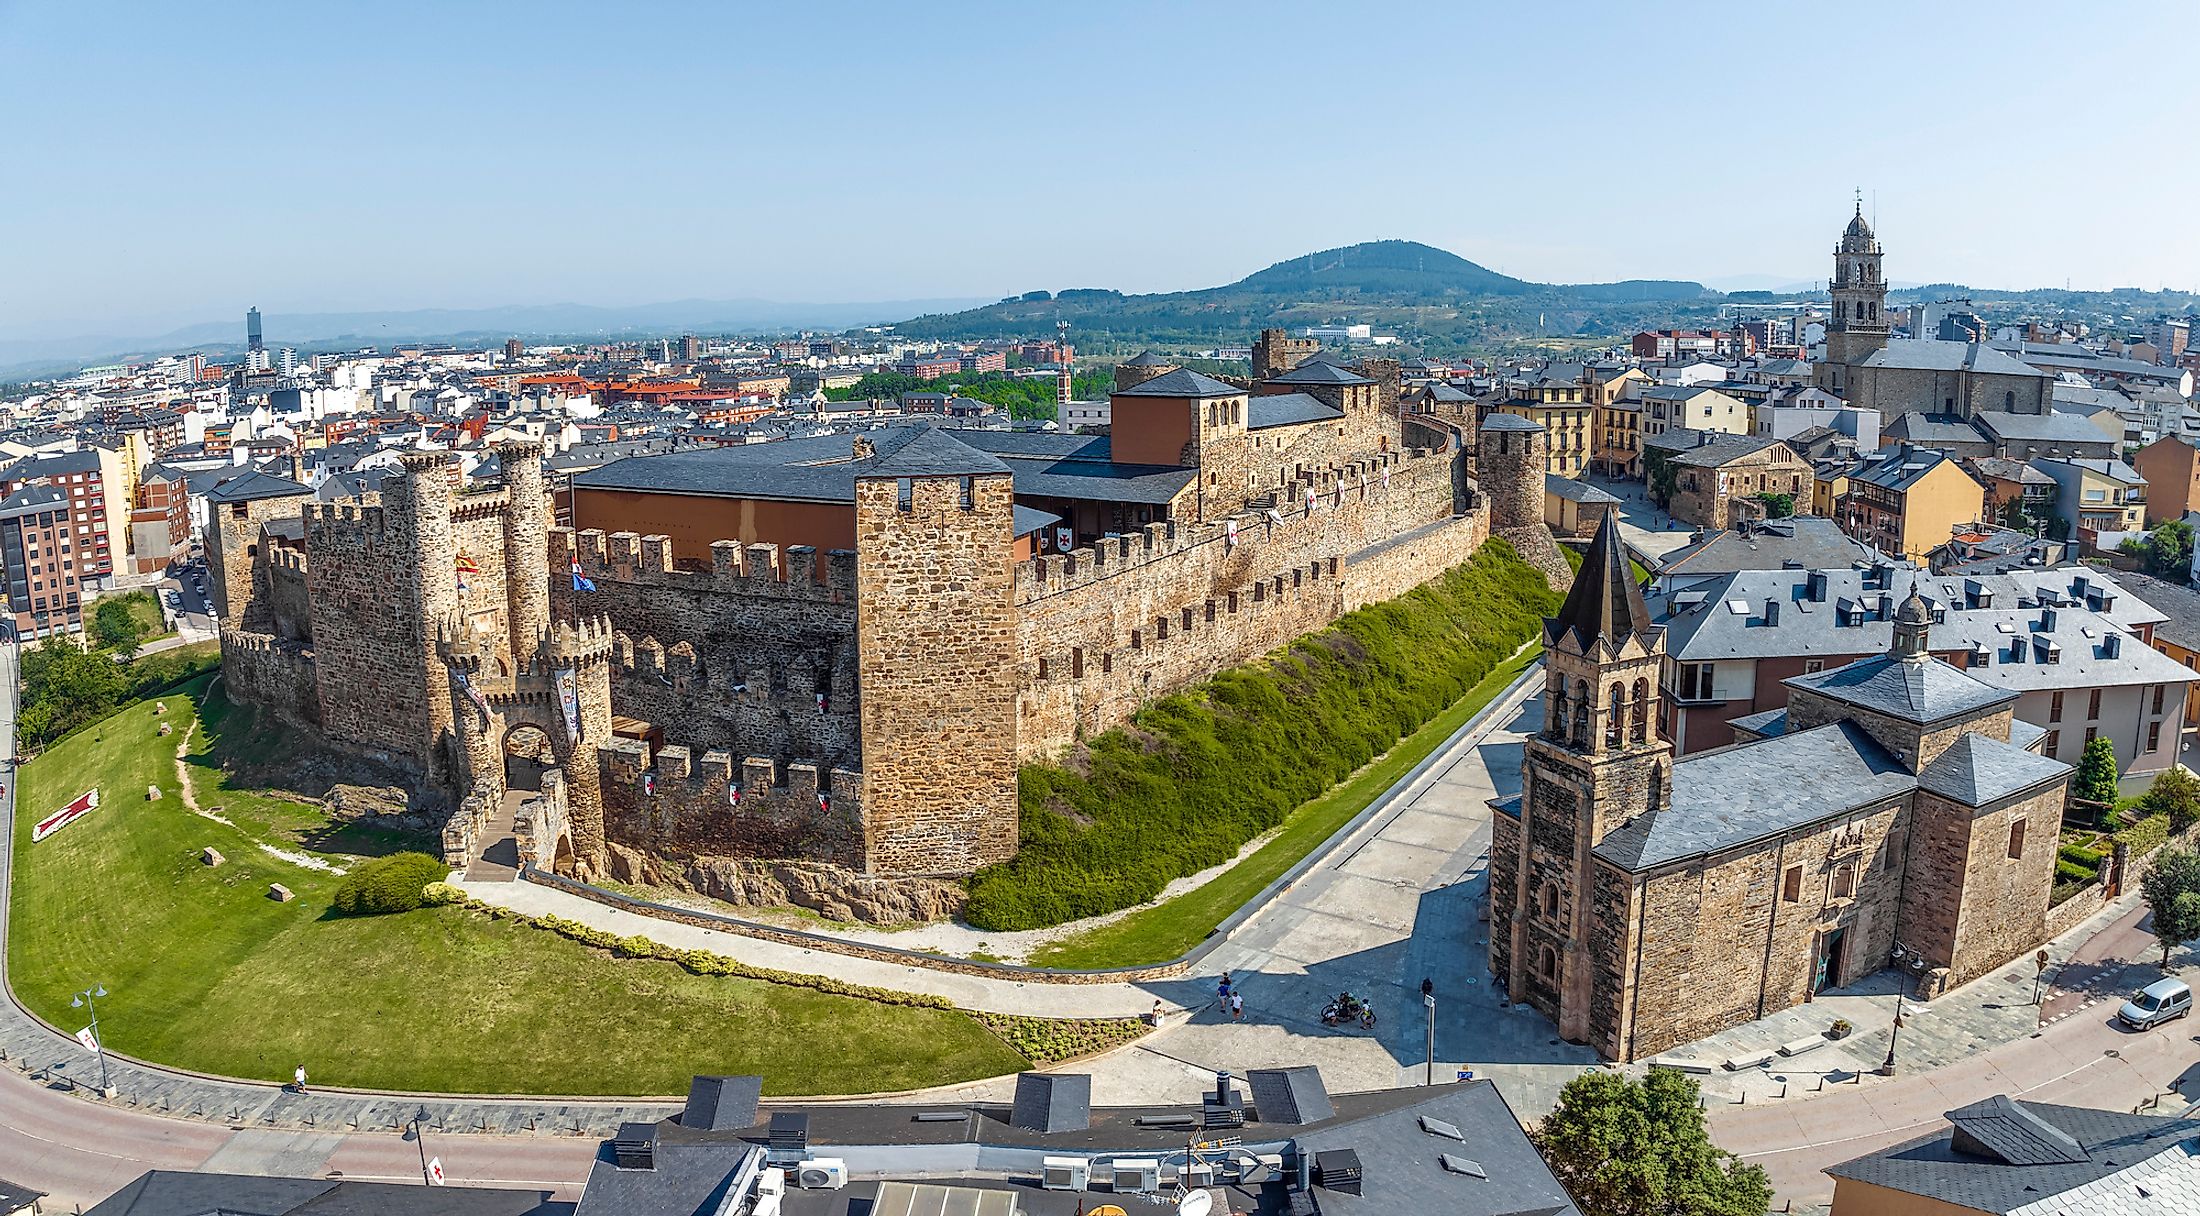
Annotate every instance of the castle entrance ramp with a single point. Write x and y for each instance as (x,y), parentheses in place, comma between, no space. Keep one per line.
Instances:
(498,860)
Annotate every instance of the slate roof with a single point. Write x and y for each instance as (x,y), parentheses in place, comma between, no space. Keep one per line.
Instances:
(1604,604)
(1898,468)
(32,498)
(2055,427)
(1287,409)
(716,1103)
(1147,358)
(2179,605)
(1730,797)
(50,464)
(1508,422)
(2005,469)
(1719,450)
(1967,1165)
(1573,489)
(1289,1095)
(1810,542)
(1932,430)
(1930,691)
(1318,370)
(176,1193)
(256,485)
(1183,382)
(1930,354)
(1978,770)
(815,469)
(1026,520)
(1403,1165)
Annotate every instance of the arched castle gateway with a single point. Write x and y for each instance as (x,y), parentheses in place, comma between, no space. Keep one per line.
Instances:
(837,649)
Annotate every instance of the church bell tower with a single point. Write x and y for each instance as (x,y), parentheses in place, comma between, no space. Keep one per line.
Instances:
(1598,762)
(1859,290)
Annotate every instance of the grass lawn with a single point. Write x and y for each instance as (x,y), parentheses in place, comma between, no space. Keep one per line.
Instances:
(206,972)
(1165,930)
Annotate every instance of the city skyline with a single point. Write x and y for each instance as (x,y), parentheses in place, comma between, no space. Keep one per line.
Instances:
(864,154)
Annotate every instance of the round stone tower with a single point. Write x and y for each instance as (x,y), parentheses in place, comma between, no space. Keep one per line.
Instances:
(1508,466)
(1138,369)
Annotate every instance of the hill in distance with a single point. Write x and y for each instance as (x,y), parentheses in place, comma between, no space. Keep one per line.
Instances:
(1432,291)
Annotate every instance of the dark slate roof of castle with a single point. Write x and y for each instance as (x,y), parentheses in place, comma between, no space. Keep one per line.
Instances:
(256,485)
(1573,489)
(1730,797)
(817,469)
(1928,691)
(2003,1154)
(1709,449)
(1147,358)
(1318,370)
(1183,382)
(1508,422)
(1604,603)
(1978,770)
(1287,409)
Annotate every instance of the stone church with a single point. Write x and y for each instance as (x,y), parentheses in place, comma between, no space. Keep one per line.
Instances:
(1894,813)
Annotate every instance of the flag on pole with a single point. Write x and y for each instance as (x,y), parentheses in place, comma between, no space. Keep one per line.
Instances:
(90,1042)
(581,582)
(435,1171)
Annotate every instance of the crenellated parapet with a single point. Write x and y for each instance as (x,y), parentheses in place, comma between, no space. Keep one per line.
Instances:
(792,686)
(347,524)
(671,802)
(797,572)
(587,642)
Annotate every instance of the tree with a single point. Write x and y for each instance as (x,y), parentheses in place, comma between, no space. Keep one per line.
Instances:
(2172,888)
(1626,1148)
(115,627)
(2176,793)
(1777,506)
(2097,772)
(2165,552)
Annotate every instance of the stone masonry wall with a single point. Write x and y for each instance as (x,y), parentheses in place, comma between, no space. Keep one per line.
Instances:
(675,804)
(290,606)
(936,645)
(732,657)
(1719,944)
(1104,629)
(273,673)
(1973,906)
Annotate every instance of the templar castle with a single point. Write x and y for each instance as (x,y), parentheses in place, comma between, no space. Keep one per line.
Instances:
(840,649)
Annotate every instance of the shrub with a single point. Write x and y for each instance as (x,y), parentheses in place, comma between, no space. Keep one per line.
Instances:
(2096,780)
(2070,872)
(2176,795)
(395,883)
(2088,860)
(2145,836)
(1197,774)
(441,894)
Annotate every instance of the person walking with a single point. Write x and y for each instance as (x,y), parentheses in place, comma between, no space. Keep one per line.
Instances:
(298,1079)
(1222,989)
(1237,1006)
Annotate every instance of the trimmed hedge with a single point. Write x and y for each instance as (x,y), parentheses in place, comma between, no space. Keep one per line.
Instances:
(1197,774)
(2067,871)
(389,884)
(2081,858)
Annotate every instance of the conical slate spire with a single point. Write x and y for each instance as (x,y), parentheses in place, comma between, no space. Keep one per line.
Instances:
(1604,603)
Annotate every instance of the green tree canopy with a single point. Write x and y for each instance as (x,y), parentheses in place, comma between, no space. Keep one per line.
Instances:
(115,627)
(2166,552)
(1777,506)
(1627,1148)
(2172,888)
(2096,780)
(2176,793)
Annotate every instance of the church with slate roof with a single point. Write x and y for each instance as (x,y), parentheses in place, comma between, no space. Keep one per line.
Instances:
(1895,813)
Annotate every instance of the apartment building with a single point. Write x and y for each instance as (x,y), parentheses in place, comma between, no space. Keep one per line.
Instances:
(99,512)
(2072,643)
(1907,501)
(40,555)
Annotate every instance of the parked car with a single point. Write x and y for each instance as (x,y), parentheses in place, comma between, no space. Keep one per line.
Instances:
(2158,1002)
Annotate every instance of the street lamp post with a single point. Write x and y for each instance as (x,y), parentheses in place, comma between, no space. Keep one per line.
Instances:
(83,1000)
(417,1132)
(1428,1001)
(1914,962)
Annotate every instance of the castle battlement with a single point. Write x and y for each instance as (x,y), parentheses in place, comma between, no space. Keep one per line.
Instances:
(583,642)
(676,769)
(245,642)
(1335,489)
(292,561)
(1150,642)
(340,524)
(797,572)
(793,684)
(487,504)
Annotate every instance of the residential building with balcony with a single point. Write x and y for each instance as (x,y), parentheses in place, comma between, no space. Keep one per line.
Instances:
(2096,498)
(40,555)
(1906,501)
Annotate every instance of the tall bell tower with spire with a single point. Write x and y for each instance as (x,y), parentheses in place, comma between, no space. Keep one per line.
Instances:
(1598,762)
(1859,291)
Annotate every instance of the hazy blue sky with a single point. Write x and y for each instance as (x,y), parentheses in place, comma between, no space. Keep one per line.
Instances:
(161,163)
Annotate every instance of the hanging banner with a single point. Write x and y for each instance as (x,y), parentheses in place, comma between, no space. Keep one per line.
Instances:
(569,700)
(472,694)
(1065,539)
(1229,534)
(85,804)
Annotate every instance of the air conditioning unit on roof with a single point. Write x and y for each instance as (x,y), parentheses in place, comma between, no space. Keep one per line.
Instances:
(821,1174)
(1065,1173)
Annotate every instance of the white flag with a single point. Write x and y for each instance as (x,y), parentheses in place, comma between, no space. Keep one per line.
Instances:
(435,1170)
(90,1043)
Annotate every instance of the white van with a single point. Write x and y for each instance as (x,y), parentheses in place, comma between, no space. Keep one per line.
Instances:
(2157,1003)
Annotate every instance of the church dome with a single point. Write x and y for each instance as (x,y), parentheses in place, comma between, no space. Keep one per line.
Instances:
(1913,611)
(1857,229)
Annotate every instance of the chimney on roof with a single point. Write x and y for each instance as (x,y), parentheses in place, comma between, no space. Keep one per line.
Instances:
(2112,645)
(1772,611)
(1815,586)
(863,449)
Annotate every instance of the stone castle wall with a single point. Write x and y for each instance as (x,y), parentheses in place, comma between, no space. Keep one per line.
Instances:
(674,804)
(289,602)
(731,657)
(374,598)
(1103,629)
(274,673)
